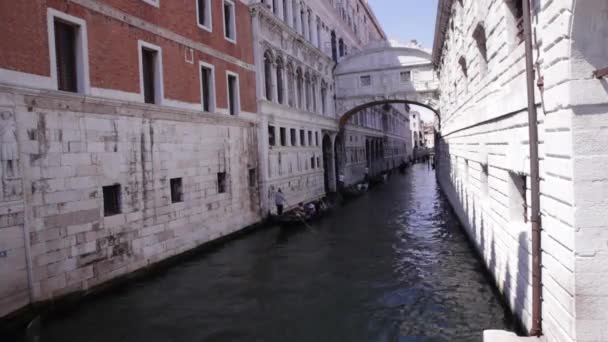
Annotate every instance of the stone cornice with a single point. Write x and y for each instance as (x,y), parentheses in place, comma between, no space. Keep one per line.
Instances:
(443,16)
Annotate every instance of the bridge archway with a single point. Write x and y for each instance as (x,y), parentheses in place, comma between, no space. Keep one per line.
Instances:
(378,102)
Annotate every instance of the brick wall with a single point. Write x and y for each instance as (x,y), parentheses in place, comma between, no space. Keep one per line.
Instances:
(114,28)
(59,149)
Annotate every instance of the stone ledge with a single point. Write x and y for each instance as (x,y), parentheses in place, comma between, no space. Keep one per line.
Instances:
(507,336)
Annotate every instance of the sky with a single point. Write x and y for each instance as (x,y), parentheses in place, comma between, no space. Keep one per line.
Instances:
(405,20)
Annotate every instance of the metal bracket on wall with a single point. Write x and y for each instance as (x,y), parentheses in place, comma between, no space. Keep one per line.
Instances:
(601,73)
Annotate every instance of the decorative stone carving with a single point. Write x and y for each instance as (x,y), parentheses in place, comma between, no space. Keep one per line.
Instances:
(9,155)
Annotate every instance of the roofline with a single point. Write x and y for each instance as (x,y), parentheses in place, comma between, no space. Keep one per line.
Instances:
(370,12)
(443,16)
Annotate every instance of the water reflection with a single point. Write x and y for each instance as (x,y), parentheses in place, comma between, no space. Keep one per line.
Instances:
(391,266)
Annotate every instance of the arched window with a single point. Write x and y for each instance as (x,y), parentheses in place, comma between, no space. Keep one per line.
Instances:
(300,86)
(268,75)
(290,86)
(334,47)
(308,88)
(280,69)
(318,32)
(275,7)
(479,34)
(341,47)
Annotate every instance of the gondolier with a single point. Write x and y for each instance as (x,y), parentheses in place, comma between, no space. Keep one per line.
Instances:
(279,200)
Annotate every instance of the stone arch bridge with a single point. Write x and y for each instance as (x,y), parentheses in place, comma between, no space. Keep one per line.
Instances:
(386,73)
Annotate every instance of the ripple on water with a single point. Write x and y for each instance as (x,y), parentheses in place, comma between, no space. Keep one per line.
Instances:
(390,266)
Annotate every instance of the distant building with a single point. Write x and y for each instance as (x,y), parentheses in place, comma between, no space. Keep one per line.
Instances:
(297,46)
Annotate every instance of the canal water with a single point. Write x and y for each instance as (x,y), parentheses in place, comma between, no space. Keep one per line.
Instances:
(392,265)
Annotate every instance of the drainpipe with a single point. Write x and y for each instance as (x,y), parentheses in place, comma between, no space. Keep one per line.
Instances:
(536,329)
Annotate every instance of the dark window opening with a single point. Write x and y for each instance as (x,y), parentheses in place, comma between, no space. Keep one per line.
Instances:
(312,162)
(334,47)
(302,138)
(111,200)
(283,136)
(206,85)
(203,19)
(293,136)
(232,94)
(517,10)
(65,51)
(177,194)
(148,61)
(309,138)
(221,182)
(252,178)
(271,136)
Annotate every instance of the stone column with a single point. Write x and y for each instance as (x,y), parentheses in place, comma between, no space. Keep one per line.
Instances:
(289,14)
(279,11)
(305,24)
(296,12)
(311,28)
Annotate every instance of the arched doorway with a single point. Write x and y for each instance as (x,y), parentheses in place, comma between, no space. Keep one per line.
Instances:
(338,155)
(328,163)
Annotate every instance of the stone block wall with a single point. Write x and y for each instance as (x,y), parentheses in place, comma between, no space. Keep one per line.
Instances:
(484,155)
(70,147)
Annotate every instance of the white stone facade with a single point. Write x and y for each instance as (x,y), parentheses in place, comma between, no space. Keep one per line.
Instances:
(295,58)
(70,147)
(483,162)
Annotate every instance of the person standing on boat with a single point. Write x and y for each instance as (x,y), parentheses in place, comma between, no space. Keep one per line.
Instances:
(279,200)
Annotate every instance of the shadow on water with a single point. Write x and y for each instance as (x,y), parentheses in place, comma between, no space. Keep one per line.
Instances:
(393,265)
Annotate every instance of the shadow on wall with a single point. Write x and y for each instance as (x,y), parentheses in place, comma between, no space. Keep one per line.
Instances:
(464,200)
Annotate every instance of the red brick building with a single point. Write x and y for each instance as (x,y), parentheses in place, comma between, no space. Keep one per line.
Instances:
(128,134)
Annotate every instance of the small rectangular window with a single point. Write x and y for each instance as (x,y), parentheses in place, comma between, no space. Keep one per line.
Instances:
(271,136)
(203,14)
(310,138)
(406,76)
(65,50)
(283,136)
(317,138)
(221,182)
(177,194)
(111,200)
(207,89)
(148,63)
(518,206)
(366,81)
(229,20)
(252,178)
(233,94)
(312,162)
(302,138)
(293,136)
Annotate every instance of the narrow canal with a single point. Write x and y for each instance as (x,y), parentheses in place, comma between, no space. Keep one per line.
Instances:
(390,266)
